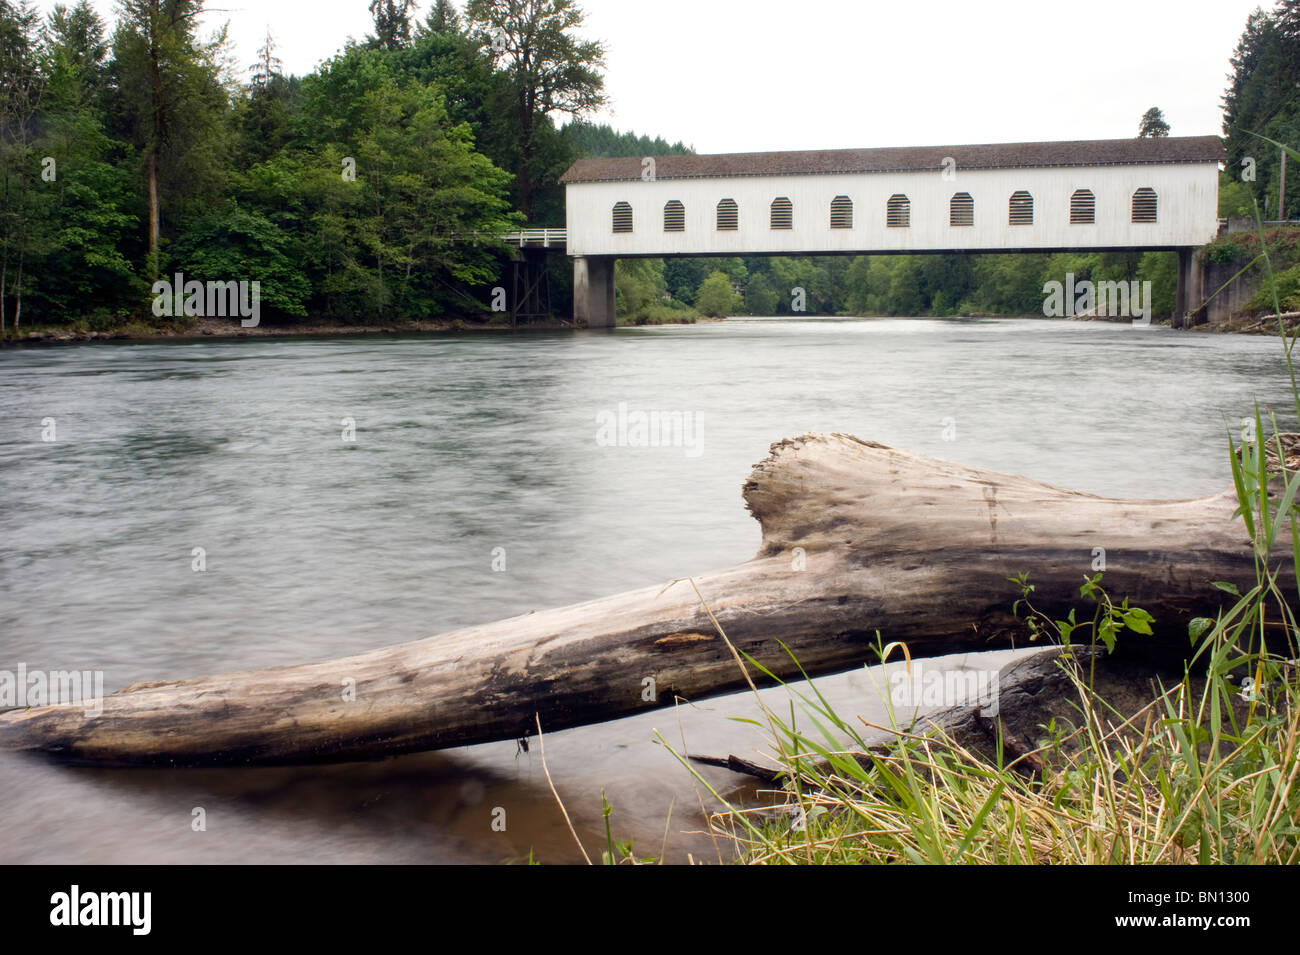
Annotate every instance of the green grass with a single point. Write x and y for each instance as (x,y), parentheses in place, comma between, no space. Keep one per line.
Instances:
(1179,782)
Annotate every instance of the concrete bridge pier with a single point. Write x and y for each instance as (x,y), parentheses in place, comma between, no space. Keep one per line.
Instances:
(1190,295)
(593,290)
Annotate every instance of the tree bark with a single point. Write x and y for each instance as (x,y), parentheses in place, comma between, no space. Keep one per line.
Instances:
(915,548)
(153,213)
(159,137)
(18,287)
(526,156)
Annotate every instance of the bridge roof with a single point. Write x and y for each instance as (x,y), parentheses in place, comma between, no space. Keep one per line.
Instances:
(1088,152)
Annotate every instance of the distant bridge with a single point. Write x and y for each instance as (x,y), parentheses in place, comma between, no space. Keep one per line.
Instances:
(1106,195)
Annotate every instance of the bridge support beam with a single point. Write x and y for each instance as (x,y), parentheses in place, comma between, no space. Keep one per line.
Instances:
(1190,295)
(593,290)
(532,286)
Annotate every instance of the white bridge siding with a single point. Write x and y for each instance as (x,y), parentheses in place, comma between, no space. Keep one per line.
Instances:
(1186,212)
(1183,173)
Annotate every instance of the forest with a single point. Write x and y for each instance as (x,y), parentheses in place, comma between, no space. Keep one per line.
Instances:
(136,149)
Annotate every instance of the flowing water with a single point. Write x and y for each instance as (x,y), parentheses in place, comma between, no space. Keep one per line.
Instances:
(349,493)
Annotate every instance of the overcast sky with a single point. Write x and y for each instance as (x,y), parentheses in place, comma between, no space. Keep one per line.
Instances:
(824,74)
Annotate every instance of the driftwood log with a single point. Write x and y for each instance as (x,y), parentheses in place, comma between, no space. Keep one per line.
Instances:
(857,539)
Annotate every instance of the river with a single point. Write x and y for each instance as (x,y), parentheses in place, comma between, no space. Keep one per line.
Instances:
(217,505)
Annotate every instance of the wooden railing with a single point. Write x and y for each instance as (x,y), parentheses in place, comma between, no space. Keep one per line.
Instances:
(538,238)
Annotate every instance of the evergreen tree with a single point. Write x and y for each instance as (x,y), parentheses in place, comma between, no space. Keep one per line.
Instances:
(268,66)
(392,23)
(1152,124)
(265,111)
(587,139)
(1262,99)
(442,20)
(21,88)
(174,104)
(83,268)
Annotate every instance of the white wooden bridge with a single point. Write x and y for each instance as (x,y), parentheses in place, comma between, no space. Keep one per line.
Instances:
(1107,195)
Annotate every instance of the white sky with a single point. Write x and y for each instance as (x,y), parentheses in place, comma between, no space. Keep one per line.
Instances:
(825,74)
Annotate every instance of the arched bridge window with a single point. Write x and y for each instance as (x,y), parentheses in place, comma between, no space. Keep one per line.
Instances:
(782,213)
(961,209)
(622,217)
(674,216)
(1083,207)
(841,213)
(1021,211)
(898,212)
(728,215)
(1144,205)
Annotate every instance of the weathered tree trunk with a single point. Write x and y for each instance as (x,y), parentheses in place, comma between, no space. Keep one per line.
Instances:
(18,287)
(159,137)
(153,214)
(857,538)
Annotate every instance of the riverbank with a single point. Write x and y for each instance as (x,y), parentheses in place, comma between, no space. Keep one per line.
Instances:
(227,328)
(201,328)
(1245,293)
(1253,325)
(205,328)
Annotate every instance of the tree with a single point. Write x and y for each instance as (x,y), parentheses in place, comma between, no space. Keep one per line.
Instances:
(638,285)
(79,33)
(806,273)
(267,67)
(760,297)
(392,23)
(1236,198)
(442,20)
(170,86)
(389,241)
(263,115)
(21,87)
(1287,18)
(233,241)
(1261,99)
(716,298)
(683,276)
(589,139)
(549,70)
(83,267)
(1153,124)
(1251,46)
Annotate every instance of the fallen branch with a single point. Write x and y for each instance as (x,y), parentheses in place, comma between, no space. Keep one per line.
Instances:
(857,538)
